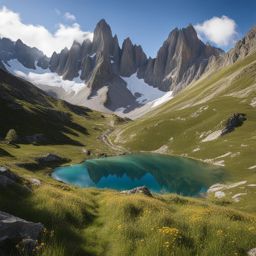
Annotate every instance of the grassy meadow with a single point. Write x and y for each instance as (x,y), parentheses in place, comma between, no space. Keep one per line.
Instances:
(105,222)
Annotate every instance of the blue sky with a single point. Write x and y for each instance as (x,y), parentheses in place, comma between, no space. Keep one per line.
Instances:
(146,22)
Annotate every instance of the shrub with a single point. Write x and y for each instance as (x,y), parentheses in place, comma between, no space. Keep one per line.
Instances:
(11,136)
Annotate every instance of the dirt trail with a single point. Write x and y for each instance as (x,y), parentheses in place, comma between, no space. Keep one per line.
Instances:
(104,137)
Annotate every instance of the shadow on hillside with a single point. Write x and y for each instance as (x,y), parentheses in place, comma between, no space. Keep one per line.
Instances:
(53,124)
(4,153)
(66,227)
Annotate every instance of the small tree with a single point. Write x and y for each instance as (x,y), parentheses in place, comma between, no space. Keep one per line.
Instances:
(11,136)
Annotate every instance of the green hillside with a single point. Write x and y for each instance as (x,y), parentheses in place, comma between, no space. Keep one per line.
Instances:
(180,126)
(105,222)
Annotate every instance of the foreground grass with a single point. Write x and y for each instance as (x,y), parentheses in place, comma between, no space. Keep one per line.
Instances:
(103,222)
(98,222)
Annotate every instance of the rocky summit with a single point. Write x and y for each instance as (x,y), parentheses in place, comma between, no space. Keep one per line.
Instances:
(110,77)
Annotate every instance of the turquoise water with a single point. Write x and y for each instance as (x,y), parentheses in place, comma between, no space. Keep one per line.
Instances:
(159,173)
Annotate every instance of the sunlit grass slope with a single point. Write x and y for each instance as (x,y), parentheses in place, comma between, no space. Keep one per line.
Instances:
(97,222)
(181,125)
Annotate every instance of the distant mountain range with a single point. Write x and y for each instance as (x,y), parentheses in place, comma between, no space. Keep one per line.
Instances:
(103,76)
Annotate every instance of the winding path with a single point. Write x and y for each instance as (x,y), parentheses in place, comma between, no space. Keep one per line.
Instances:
(104,137)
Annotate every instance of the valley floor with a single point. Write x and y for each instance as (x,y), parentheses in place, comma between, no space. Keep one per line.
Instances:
(104,222)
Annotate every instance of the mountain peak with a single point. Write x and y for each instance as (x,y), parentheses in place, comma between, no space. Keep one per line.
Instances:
(190,28)
(102,38)
(102,22)
(102,26)
(127,41)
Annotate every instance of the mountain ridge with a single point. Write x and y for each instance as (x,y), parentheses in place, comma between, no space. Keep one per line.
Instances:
(101,67)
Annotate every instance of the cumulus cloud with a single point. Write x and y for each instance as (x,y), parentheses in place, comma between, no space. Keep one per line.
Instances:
(218,30)
(11,26)
(69,16)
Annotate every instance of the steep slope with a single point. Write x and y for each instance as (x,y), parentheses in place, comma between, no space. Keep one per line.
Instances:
(243,48)
(190,124)
(181,59)
(26,55)
(95,73)
(32,113)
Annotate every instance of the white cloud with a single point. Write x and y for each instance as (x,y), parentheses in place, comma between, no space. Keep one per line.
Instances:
(219,30)
(69,16)
(11,26)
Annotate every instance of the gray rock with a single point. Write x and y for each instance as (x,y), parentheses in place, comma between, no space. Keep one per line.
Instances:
(252,252)
(182,59)
(102,74)
(87,68)
(139,190)
(236,120)
(242,48)
(50,159)
(43,62)
(73,62)
(132,57)
(35,182)
(14,230)
(102,39)
(62,61)
(7,177)
(128,62)
(27,55)
(54,62)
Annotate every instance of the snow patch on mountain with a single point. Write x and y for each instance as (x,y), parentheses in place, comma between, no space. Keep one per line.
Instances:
(146,92)
(166,97)
(41,76)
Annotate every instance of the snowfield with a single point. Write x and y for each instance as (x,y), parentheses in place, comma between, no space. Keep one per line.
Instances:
(41,76)
(148,93)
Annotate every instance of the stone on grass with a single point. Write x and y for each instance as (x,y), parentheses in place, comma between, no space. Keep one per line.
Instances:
(252,252)
(14,231)
(138,190)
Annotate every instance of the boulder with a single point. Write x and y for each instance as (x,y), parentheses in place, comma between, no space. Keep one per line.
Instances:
(35,182)
(7,177)
(236,120)
(51,159)
(14,231)
(138,190)
(252,252)
(86,151)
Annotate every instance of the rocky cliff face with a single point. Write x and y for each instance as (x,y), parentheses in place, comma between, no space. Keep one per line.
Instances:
(26,55)
(102,63)
(242,48)
(181,59)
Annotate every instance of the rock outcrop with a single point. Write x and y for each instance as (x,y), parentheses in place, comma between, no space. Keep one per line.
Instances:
(234,121)
(132,57)
(16,231)
(252,252)
(51,159)
(242,49)
(8,178)
(181,59)
(138,190)
(26,55)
